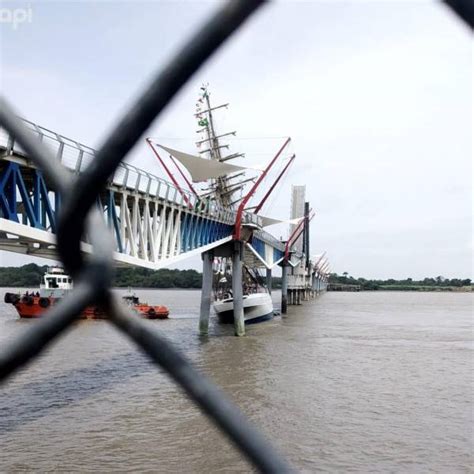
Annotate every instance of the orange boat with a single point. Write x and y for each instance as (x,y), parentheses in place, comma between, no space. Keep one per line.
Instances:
(56,285)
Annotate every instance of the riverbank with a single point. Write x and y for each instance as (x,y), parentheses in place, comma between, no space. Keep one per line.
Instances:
(456,289)
(30,276)
(435,289)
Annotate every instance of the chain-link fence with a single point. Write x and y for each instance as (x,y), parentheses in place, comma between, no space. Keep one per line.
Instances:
(94,277)
(78,216)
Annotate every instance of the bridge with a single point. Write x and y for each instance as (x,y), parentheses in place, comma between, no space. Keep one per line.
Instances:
(155,223)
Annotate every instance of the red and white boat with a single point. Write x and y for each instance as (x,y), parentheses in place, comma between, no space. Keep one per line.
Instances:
(56,285)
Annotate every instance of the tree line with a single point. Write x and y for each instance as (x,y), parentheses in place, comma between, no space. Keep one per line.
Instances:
(31,275)
(407,284)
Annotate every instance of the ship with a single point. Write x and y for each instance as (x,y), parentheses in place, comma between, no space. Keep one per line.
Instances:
(258,307)
(57,284)
(257,301)
(225,185)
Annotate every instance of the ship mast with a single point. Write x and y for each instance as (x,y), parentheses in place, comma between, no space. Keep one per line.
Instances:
(223,189)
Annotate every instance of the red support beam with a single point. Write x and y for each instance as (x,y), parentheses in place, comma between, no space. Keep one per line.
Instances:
(298,231)
(262,202)
(240,210)
(190,186)
(319,259)
(186,198)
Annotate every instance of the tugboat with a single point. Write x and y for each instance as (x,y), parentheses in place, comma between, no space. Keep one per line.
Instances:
(56,285)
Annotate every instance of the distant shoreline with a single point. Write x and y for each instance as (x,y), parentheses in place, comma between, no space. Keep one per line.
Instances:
(448,289)
(381,290)
(30,276)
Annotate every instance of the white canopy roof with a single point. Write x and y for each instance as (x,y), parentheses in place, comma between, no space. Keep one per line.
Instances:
(199,168)
(268,221)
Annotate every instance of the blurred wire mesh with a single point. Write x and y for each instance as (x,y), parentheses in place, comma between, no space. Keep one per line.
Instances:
(94,277)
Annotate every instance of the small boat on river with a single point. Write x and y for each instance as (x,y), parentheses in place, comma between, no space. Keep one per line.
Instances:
(258,307)
(57,284)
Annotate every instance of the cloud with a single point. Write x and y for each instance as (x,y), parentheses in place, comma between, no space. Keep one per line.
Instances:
(377,98)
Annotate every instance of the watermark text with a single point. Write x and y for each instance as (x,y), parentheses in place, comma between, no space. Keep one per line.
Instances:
(16,16)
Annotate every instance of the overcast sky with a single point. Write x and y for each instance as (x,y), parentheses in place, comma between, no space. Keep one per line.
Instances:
(377,97)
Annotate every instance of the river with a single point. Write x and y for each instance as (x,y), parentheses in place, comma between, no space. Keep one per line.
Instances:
(364,382)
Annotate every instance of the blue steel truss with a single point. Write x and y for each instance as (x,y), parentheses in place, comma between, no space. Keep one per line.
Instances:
(113,220)
(27,203)
(198,231)
(26,199)
(259,247)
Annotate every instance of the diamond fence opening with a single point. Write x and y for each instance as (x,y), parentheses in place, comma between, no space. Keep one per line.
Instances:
(94,277)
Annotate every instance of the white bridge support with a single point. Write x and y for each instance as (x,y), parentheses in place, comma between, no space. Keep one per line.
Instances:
(269,280)
(239,323)
(206,292)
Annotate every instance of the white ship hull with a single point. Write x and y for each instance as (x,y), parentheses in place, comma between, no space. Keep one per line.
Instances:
(257,307)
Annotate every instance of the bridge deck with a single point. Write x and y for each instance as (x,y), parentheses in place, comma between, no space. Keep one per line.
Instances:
(154,223)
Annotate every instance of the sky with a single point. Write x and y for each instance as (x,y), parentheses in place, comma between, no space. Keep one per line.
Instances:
(376,96)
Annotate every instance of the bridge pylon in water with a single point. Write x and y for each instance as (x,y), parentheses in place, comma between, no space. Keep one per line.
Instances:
(156,222)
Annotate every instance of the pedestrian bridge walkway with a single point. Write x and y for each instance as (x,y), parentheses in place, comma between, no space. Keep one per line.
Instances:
(154,223)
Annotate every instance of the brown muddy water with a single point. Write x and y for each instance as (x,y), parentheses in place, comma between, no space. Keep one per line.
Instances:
(349,381)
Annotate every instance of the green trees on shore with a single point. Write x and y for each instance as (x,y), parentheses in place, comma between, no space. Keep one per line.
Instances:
(31,276)
(27,275)
(407,284)
(164,278)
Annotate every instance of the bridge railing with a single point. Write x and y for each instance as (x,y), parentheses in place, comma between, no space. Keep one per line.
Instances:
(269,239)
(77,157)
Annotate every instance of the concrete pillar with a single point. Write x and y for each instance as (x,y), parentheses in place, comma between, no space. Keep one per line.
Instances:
(284,289)
(298,297)
(239,323)
(207,258)
(269,280)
